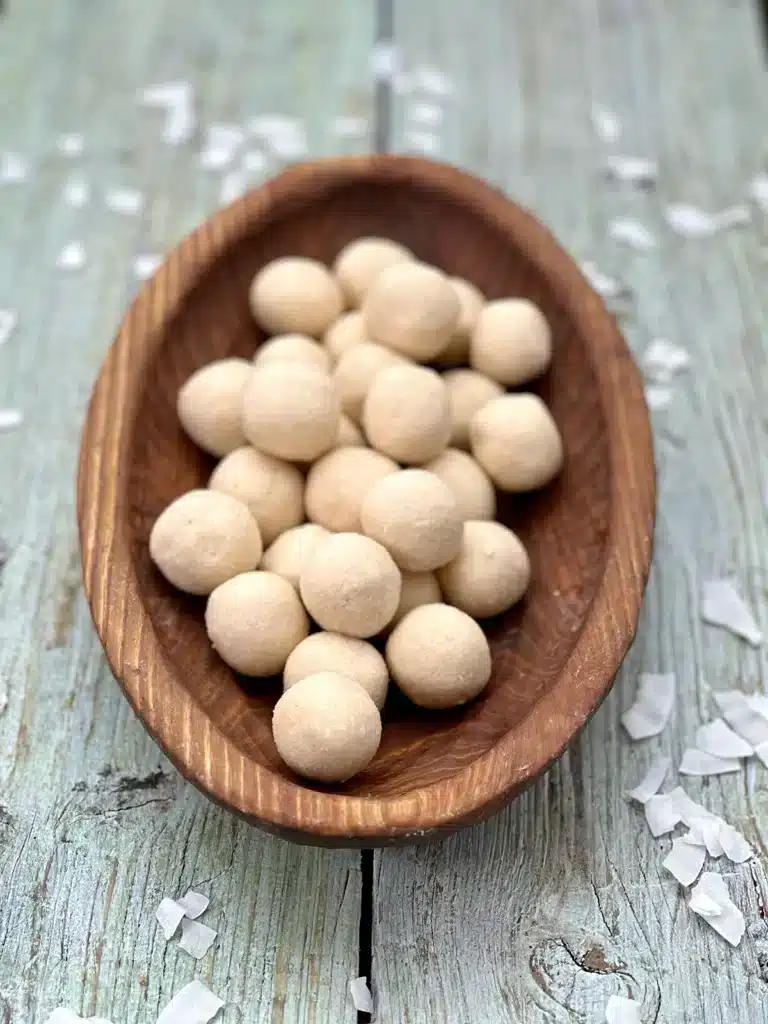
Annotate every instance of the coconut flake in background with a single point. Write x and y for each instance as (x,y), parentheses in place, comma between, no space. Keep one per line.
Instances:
(422,142)
(254,161)
(233,186)
(194,1004)
(8,321)
(169,915)
(717,738)
(606,124)
(385,60)
(176,98)
(221,145)
(734,845)
(196,938)
(692,222)
(710,900)
(632,233)
(620,1010)
(285,136)
(698,762)
(10,419)
(194,904)
(128,201)
(747,715)
(685,861)
(634,170)
(662,360)
(432,81)
(428,114)
(721,605)
(61,1015)
(607,287)
(658,397)
(758,190)
(70,145)
(13,168)
(71,257)
(76,192)
(662,812)
(361,995)
(145,265)
(652,780)
(652,707)
(348,126)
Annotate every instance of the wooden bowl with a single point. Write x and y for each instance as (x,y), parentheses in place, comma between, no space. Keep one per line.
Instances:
(589,535)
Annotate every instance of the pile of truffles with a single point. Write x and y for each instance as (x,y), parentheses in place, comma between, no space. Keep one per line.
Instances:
(356,491)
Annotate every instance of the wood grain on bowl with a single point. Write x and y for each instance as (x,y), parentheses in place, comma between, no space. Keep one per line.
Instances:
(589,534)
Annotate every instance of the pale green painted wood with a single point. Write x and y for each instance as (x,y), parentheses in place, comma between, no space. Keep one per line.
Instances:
(541,914)
(85,857)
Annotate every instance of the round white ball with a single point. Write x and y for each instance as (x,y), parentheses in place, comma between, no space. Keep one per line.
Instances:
(490,573)
(359,264)
(272,489)
(291,411)
(348,331)
(210,404)
(417,588)
(471,301)
(406,414)
(286,555)
(350,585)
(468,391)
(511,342)
(338,483)
(326,727)
(254,621)
(415,517)
(439,656)
(516,441)
(467,481)
(295,295)
(203,539)
(412,308)
(356,371)
(293,348)
(347,655)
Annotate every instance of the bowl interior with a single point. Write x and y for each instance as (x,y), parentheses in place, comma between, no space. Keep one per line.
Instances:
(565,527)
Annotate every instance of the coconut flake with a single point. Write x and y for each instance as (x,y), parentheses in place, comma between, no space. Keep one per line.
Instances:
(285,136)
(735,846)
(652,707)
(254,161)
(8,322)
(145,265)
(193,904)
(128,201)
(658,397)
(432,81)
(746,715)
(196,938)
(634,170)
(758,190)
(422,142)
(662,813)
(606,124)
(348,126)
(685,861)
(620,1010)
(692,222)
(711,901)
(71,257)
(429,114)
(605,286)
(169,915)
(61,1015)
(177,99)
(13,169)
(76,192)
(721,605)
(71,144)
(385,60)
(652,780)
(221,146)
(717,738)
(632,233)
(10,419)
(361,995)
(761,751)
(662,361)
(194,1004)
(698,762)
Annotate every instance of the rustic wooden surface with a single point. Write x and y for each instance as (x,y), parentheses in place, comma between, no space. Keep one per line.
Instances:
(541,914)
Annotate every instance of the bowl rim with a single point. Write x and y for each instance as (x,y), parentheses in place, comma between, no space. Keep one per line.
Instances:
(204,754)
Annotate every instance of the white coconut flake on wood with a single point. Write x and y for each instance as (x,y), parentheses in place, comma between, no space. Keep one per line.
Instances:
(605,286)
(76,193)
(254,161)
(10,419)
(177,99)
(698,762)
(14,169)
(722,605)
(652,780)
(385,60)
(429,114)
(735,846)
(711,901)
(621,1010)
(169,915)
(193,904)
(658,396)
(631,233)
(662,361)
(662,813)
(61,1015)
(194,1004)
(758,190)
(606,124)
(652,707)
(747,715)
(632,170)
(717,738)
(145,265)
(71,257)
(761,752)
(692,222)
(8,322)
(361,995)
(432,81)
(128,201)
(685,861)
(72,144)
(196,938)
(221,146)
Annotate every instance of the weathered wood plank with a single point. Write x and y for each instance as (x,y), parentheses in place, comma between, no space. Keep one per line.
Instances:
(95,826)
(543,913)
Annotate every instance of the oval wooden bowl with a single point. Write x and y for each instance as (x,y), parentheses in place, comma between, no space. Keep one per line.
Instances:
(589,535)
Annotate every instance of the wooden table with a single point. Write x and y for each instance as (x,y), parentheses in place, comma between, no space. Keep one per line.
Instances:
(543,913)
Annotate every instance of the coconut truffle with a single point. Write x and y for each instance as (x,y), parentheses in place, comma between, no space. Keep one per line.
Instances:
(293,348)
(356,371)
(349,435)
(338,483)
(203,539)
(295,295)
(348,331)
(326,727)
(490,573)
(350,585)
(272,489)
(346,655)
(290,411)
(468,391)
(286,555)
(471,301)
(516,441)
(406,414)
(414,515)
(439,656)
(359,264)
(417,588)
(468,482)
(412,308)
(511,342)
(254,621)
(209,405)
